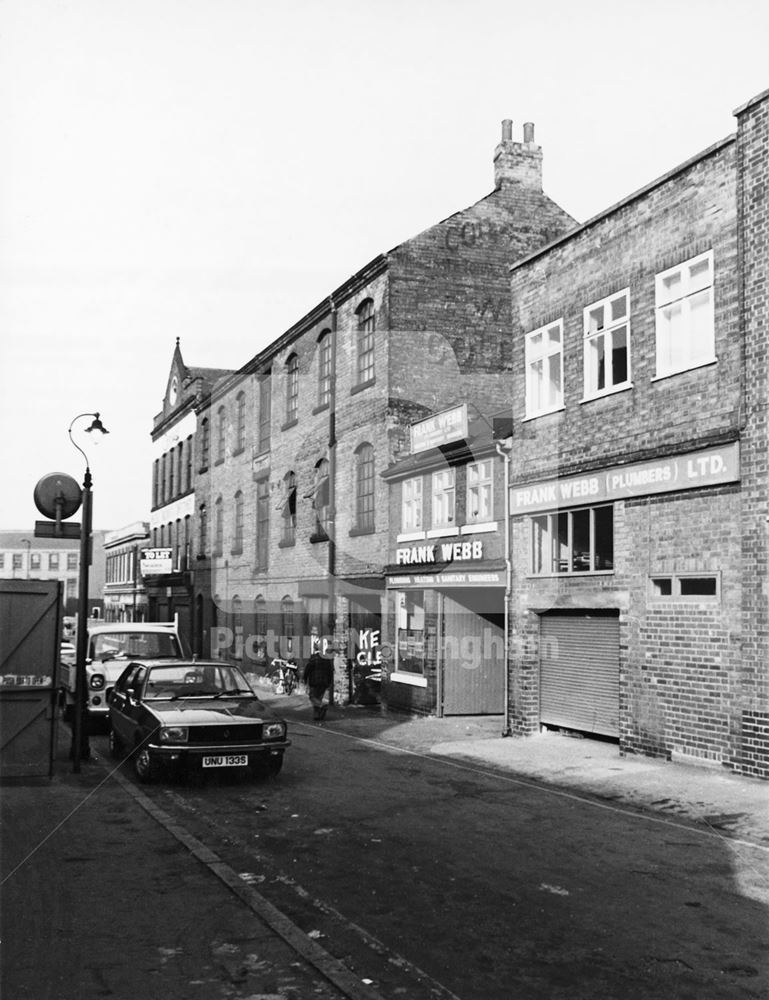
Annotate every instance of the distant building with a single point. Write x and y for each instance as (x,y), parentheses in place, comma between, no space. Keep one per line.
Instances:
(24,557)
(125,596)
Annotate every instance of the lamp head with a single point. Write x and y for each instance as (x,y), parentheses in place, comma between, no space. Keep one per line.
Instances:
(96,425)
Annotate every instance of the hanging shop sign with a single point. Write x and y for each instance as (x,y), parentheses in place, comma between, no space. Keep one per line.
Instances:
(153,562)
(706,467)
(449,425)
(445,552)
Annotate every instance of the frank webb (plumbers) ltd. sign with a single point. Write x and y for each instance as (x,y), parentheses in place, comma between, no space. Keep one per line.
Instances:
(707,467)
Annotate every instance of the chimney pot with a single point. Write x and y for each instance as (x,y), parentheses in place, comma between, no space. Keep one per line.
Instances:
(507,129)
(528,132)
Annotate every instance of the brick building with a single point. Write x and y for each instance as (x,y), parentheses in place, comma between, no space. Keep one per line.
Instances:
(639,492)
(291,531)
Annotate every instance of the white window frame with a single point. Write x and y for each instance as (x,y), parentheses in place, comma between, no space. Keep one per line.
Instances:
(681,301)
(411,504)
(480,491)
(600,329)
(539,357)
(443,510)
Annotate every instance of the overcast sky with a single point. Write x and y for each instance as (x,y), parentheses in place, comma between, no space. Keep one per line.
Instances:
(211,169)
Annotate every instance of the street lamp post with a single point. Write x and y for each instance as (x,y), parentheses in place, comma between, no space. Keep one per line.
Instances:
(80,746)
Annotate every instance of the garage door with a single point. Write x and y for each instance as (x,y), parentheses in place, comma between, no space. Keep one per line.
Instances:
(579,672)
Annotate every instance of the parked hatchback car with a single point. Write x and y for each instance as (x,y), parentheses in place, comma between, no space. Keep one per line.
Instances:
(192,714)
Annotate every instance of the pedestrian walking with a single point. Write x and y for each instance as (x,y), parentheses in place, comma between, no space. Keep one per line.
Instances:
(319,678)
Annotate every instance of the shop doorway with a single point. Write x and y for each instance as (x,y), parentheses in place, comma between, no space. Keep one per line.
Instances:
(473,652)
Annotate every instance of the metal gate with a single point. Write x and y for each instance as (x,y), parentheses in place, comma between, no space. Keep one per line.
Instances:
(579,671)
(29,655)
(473,653)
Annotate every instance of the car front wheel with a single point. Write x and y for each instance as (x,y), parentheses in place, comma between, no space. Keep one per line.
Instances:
(146,768)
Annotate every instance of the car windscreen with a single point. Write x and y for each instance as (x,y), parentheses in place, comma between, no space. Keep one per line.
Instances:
(127,645)
(192,680)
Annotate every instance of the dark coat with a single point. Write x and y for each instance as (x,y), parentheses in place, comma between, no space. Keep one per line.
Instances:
(319,671)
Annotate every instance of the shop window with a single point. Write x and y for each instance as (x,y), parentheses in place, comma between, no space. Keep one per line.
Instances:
(221,431)
(686,586)
(292,389)
(265,413)
(607,345)
(411,504)
(366,330)
(237,539)
(443,498)
(240,422)
(411,646)
(685,326)
(324,368)
(574,541)
(364,488)
(544,369)
(480,499)
(262,524)
(287,508)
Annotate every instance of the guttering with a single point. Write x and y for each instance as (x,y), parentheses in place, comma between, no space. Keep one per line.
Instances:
(505,452)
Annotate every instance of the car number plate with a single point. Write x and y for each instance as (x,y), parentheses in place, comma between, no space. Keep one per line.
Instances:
(226,760)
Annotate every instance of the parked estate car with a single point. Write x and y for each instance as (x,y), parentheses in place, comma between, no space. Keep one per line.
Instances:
(194,714)
(110,646)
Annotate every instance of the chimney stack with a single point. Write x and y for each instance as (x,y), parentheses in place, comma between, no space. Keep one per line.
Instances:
(518,163)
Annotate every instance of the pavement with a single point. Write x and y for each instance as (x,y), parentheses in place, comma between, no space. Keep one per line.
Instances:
(104,895)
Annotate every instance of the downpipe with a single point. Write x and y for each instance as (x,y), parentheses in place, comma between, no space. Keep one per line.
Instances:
(504,452)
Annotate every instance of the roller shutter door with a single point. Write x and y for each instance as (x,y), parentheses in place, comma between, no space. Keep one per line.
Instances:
(579,672)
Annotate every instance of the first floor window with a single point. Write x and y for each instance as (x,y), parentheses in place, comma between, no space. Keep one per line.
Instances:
(685,324)
(262,523)
(544,369)
(202,529)
(53,560)
(320,497)
(443,498)
(364,487)
(218,527)
(237,541)
(287,508)
(573,541)
(480,505)
(411,644)
(607,345)
(411,515)
(72,558)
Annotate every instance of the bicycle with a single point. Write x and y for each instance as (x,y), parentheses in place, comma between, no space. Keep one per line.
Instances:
(283,675)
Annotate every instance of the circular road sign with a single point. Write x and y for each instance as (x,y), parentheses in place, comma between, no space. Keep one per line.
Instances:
(57,489)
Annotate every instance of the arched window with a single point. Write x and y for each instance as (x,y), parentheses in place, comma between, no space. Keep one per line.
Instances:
(205,443)
(320,499)
(218,527)
(324,368)
(364,487)
(260,616)
(240,421)
(288,509)
(366,329)
(287,618)
(292,388)
(221,430)
(202,529)
(237,541)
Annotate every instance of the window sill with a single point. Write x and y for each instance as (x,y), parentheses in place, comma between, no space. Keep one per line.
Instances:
(289,423)
(615,390)
(362,385)
(284,543)
(318,537)
(682,371)
(543,413)
(320,408)
(447,532)
(410,536)
(478,528)
(219,461)
(238,451)
(571,576)
(238,551)
(361,531)
(414,680)
(202,470)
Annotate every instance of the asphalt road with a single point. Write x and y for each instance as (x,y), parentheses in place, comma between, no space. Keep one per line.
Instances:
(436,879)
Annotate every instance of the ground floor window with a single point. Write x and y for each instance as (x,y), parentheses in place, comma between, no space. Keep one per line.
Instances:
(573,541)
(411,644)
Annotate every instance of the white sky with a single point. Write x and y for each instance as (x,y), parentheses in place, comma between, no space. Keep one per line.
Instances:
(211,169)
